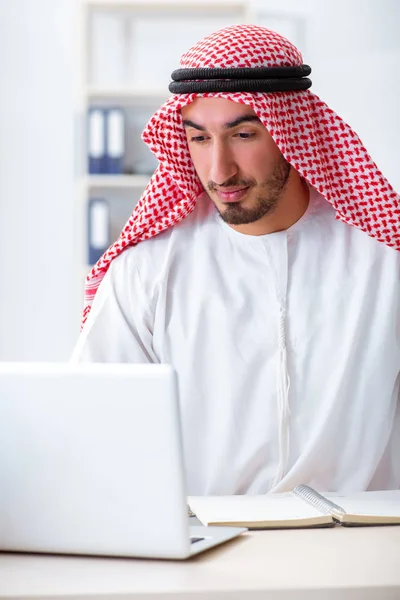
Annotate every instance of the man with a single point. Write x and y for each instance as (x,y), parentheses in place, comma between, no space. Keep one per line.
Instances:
(262,262)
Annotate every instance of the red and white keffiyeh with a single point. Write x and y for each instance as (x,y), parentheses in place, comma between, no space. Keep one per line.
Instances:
(314,140)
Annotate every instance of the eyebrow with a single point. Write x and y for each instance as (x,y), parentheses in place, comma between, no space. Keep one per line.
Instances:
(229,125)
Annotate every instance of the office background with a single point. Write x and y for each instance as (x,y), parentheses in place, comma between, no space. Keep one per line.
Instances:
(353,48)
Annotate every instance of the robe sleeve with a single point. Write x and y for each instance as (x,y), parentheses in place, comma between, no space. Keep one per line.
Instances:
(119,327)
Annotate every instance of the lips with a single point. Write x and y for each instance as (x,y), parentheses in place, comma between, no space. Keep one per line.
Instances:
(231,194)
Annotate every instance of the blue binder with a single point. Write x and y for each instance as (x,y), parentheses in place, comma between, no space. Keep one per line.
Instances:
(98,228)
(115,140)
(96,141)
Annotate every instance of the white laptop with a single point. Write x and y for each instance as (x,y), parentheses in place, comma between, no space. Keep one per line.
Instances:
(91,462)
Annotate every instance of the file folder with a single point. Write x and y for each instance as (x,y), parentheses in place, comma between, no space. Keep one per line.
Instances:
(96,137)
(115,141)
(98,228)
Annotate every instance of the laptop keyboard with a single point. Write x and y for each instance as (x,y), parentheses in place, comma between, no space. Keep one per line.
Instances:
(193,540)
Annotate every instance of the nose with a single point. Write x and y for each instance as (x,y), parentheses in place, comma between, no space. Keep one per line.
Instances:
(223,164)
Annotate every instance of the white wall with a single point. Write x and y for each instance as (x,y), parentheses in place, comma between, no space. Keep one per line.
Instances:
(37,259)
(353,47)
(355,50)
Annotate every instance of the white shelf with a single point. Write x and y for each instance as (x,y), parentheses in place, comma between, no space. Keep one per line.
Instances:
(159,5)
(117,181)
(137,97)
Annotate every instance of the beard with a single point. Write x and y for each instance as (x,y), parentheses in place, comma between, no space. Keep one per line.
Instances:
(270,192)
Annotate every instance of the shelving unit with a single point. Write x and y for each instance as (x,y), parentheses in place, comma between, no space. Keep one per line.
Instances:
(129,49)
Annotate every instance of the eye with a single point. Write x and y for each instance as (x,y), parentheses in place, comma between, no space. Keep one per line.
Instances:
(198,139)
(244,136)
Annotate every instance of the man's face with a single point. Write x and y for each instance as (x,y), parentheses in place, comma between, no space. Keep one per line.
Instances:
(237,161)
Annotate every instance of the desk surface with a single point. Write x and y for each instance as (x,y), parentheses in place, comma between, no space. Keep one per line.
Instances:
(347,563)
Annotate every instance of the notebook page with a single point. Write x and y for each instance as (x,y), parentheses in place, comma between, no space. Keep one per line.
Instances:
(382,503)
(232,509)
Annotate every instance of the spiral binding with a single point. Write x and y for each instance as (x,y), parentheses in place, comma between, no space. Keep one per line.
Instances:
(318,501)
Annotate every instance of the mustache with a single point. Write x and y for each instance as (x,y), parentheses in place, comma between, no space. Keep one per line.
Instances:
(232,182)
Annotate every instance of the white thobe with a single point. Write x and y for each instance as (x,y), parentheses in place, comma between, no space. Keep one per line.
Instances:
(208,300)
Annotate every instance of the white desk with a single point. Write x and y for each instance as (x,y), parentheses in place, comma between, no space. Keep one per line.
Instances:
(340,563)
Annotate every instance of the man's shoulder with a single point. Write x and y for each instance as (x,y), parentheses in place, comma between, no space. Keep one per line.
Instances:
(353,239)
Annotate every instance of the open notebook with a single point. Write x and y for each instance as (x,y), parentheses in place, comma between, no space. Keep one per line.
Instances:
(304,507)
